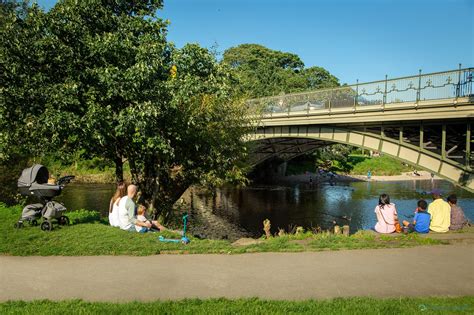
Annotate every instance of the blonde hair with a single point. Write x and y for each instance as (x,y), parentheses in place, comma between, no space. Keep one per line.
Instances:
(141,210)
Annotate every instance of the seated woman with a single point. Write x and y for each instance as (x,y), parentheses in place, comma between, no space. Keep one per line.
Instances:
(458,219)
(114,201)
(386,215)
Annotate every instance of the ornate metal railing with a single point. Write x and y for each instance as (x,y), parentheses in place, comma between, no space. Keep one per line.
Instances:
(412,89)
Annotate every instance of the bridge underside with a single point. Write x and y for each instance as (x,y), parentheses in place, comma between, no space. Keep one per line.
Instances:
(442,147)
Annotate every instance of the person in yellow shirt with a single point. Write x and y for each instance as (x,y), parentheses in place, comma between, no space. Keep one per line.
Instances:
(440,212)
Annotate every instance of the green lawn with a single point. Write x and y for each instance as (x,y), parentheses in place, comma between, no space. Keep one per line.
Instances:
(383,165)
(90,235)
(355,164)
(429,305)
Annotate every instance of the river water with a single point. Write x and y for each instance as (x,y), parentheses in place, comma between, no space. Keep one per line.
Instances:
(289,205)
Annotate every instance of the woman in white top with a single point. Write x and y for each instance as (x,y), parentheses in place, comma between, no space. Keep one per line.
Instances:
(114,201)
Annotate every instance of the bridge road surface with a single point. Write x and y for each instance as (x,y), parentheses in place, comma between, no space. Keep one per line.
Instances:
(443,270)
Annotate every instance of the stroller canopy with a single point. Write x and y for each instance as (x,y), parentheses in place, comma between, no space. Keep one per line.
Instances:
(37,173)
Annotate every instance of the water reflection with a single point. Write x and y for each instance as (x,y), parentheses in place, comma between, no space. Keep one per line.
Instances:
(287,206)
(326,203)
(87,196)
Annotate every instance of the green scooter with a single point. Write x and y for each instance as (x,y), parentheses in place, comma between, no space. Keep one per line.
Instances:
(183,239)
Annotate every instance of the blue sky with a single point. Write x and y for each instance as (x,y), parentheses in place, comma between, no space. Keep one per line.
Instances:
(363,39)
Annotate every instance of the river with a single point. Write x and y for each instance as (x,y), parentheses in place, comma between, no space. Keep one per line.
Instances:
(289,205)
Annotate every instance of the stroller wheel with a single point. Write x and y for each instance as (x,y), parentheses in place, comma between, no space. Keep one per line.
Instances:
(18,225)
(63,220)
(46,226)
(34,222)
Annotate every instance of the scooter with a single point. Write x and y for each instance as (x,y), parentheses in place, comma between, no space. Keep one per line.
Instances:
(183,239)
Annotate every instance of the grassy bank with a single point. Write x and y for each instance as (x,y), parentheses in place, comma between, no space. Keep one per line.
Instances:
(90,235)
(380,166)
(428,305)
(355,164)
(94,170)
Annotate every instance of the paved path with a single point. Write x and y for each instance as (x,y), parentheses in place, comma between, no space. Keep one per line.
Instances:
(420,271)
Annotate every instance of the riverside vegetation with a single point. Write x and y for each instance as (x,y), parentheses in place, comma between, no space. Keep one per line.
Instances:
(356,164)
(88,234)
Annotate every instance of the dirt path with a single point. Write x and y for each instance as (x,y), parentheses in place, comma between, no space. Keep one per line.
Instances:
(422,271)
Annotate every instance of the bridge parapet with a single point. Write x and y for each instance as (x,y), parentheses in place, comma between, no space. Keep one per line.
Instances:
(413,90)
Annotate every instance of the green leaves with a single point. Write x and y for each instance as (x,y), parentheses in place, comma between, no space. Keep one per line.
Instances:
(264,72)
(94,79)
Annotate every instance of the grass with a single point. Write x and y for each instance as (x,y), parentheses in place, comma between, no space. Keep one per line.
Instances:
(428,305)
(383,165)
(355,164)
(90,235)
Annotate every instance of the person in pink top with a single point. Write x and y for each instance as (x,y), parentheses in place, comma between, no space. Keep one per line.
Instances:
(386,215)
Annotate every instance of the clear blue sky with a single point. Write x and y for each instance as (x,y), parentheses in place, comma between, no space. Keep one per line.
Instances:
(363,39)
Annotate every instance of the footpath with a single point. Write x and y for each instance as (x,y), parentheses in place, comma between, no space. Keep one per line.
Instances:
(442,270)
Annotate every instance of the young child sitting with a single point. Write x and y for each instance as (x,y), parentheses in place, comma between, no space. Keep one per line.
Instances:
(141,211)
(421,221)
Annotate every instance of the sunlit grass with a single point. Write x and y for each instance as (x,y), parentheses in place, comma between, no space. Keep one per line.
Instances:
(380,166)
(428,305)
(88,234)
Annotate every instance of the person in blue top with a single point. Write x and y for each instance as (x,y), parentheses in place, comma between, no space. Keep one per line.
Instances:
(421,221)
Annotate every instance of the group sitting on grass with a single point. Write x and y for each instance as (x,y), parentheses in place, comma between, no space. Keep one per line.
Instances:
(439,216)
(123,212)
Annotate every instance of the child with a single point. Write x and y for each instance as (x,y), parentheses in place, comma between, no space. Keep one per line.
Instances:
(421,221)
(141,217)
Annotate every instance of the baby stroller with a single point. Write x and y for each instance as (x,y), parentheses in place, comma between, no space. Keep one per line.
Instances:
(34,181)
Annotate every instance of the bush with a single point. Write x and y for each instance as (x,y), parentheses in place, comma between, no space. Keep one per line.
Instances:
(10,171)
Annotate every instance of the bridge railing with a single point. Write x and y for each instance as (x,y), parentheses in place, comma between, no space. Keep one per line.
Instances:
(412,89)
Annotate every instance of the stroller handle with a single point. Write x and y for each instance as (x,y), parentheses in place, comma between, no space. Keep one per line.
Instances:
(65,180)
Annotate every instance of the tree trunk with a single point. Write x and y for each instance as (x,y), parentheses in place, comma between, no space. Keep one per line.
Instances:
(118,169)
(164,192)
(159,188)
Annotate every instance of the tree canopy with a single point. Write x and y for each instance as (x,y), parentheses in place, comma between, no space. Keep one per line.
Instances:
(99,78)
(265,72)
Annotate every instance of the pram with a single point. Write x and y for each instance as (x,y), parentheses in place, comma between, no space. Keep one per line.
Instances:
(34,182)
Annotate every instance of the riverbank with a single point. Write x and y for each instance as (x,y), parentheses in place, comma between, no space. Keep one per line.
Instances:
(108,178)
(98,171)
(407,176)
(89,235)
(231,213)
(315,178)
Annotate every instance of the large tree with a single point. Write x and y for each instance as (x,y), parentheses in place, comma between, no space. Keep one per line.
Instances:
(264,72)
(99,77)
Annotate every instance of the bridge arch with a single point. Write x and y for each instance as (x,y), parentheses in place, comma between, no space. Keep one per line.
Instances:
(423,152)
